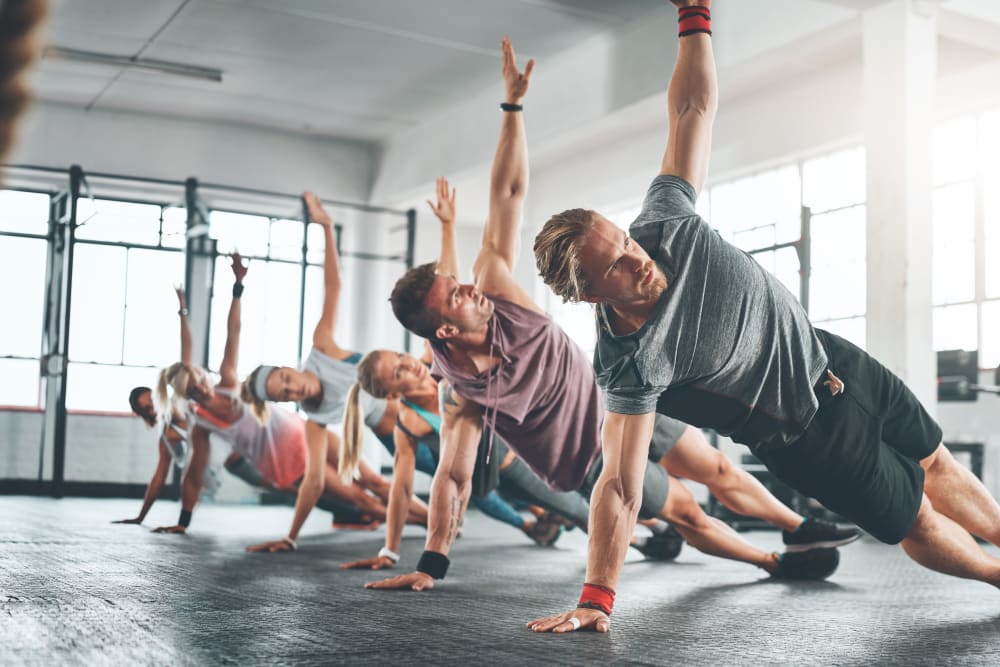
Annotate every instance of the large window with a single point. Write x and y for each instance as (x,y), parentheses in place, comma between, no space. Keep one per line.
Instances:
(966,233)
(124,325)
(23,251)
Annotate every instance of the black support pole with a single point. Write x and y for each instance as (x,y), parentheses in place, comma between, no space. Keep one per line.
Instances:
(302,281)
(62,352)
(411,240)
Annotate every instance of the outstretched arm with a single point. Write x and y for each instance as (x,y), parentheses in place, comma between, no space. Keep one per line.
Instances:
(323,333)
(614,508)
(154,487)
(227,371)
(310,489)
(182,312)
(452,485)
(494,267)
(194,476)
(692,101)
(444,209)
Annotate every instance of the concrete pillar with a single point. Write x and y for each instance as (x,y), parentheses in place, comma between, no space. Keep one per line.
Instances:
(900,62)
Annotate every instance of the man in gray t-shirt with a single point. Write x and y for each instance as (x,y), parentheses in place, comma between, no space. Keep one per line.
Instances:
(692,327)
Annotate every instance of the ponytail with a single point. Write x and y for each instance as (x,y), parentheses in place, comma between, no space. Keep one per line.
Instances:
(176,376)
(350,444)
(257,405)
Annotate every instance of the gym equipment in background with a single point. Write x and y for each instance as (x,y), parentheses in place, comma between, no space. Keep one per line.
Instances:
(958,376)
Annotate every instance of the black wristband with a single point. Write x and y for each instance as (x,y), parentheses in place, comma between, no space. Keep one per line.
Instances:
(506,106)
(433,563)
(185,518)
(237,290)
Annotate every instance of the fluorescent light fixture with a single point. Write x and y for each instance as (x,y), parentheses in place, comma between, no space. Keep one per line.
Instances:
(162,66)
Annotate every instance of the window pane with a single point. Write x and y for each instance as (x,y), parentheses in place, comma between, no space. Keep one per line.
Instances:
(991,203)
(837,292)
(97,387)
(839,238)
(20,384)
(286,239)
(24,212)
(22,272)
(763,209)
(784,265)
(316,243)
(838,279)
(118,221)
(955,327)
(989,353)
(174,227)
(954,214)
(853,329)
(270,315)
(98,304)
(955,150)
(989,142)
(235,231)
(954,273)
(834,181)
(152,330)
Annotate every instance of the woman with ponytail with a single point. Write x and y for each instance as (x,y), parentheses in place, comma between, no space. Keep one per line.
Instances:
(407,382)
(321,389)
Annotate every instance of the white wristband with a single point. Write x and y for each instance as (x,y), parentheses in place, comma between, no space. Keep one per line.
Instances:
(386,552)
(290,542)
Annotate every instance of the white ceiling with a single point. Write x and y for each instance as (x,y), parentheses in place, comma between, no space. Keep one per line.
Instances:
(354,69)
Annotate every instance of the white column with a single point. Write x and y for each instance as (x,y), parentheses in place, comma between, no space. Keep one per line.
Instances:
(900,62)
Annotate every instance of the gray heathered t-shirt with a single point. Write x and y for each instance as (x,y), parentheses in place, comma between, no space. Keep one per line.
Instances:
(727,347)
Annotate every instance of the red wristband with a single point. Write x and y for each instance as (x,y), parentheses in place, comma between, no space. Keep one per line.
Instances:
(594,596)
(692,20)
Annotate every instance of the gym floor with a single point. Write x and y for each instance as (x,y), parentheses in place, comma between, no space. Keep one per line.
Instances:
(76,589)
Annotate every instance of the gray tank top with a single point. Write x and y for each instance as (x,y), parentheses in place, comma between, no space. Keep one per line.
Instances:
(245,434)
(337,376)
(541,398)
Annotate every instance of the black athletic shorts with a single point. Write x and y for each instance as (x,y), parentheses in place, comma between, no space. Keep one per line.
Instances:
(860,455)
(655,483)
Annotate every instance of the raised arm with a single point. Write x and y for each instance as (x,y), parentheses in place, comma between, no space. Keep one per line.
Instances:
(194,476)
(450,490)
(323,333)
(310,489)
(444,209)
(614,508)
(182,312)
(154,487)
(227,371)
(400,495)
(692,100)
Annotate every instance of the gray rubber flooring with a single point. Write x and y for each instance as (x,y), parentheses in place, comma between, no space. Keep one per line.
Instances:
(78,590)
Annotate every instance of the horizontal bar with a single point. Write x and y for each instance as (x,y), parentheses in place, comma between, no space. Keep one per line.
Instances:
(780,246)
(151,64)
(368,208)
(25,235)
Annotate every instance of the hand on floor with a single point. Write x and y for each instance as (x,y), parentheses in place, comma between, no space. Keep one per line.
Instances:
(179,530)
(416,581)
(271,547)
(134,521)
(375,563)
(571,621)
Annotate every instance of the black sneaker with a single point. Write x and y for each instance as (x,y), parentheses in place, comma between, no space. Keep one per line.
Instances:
(815,564)
(818,534)
(544,533)
(661,546)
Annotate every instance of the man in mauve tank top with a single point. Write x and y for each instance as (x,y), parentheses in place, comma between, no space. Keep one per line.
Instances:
(509,369)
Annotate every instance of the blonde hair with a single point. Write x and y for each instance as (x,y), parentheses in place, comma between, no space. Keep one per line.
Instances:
(350,444)
(177,377)
(257,405)
(557,253)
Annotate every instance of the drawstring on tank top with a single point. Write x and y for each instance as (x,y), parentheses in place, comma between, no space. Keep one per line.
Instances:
(490,421)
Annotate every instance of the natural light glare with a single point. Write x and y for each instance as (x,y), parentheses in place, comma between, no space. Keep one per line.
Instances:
(991,219)
(955,327)
(577,320)
(286,239)
(989,353)
(236,231)
(151,320)
(104,388)
(117,221)
(98,306)
(955,150)
(834,181)
(838,280)
(22,272)
(20,383)
(954,257)
(174,227)
(24,212)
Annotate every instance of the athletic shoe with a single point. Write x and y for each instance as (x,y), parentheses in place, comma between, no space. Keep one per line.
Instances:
(818,534)
(661,546)
(543,532)
(815,564)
